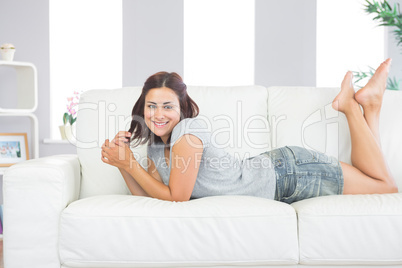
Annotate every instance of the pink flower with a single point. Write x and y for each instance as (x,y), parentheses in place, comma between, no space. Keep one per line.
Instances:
(72,102)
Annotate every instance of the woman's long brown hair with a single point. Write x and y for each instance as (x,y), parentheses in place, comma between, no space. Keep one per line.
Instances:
(188,108)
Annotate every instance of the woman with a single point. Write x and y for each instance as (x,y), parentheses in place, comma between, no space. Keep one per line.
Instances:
(181,155)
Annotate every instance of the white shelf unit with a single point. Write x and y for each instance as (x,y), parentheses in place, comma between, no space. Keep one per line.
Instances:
(27,87)
(27,100)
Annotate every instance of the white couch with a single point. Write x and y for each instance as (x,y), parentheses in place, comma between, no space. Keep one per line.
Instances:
(75,211)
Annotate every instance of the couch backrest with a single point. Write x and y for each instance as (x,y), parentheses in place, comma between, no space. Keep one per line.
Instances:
(391,133)
(237,116)
(102,113)
(304,116)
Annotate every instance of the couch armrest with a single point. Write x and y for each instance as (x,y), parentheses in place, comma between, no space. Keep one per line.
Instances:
(35,194)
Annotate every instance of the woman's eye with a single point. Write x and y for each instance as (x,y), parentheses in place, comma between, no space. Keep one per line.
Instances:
(168,107)
(152,106)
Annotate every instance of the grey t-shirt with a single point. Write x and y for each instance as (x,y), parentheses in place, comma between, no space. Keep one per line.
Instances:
(219,173)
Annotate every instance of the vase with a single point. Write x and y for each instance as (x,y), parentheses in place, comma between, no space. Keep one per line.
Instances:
(63,132)
(7,54)
(67,132)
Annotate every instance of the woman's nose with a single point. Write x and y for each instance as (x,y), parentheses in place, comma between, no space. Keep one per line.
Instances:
(159,113)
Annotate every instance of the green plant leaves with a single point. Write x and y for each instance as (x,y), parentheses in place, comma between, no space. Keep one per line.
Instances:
(68,118)
(387,16)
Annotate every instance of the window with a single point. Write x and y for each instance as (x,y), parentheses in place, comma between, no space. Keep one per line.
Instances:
(219,42)
(85,50)
(347,39)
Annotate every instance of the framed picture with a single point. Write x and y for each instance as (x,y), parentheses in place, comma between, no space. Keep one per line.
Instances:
(13,148)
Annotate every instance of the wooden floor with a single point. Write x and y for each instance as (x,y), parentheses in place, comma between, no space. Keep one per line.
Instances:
(1,254)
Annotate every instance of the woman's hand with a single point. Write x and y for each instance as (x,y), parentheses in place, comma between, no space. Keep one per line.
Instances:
(117,152)
(123,136)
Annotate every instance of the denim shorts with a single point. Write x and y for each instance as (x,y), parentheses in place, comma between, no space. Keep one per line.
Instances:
(302,173)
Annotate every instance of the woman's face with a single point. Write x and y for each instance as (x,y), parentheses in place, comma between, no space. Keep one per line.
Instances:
(161,111)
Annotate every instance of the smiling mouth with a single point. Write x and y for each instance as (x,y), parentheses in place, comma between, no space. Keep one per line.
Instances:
(160,124)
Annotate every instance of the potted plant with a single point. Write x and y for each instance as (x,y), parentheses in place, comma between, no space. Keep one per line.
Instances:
(390,17)
(7,52)
(67,130)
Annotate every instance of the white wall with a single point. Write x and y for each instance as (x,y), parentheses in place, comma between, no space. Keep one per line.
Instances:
(152,39)
(285,43)
(392,50)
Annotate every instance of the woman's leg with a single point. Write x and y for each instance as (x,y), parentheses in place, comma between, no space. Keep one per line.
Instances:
(369,172)
(370,98)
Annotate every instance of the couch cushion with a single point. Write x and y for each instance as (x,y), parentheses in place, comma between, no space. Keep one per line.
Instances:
(350,229)
(237,116)
(126,230)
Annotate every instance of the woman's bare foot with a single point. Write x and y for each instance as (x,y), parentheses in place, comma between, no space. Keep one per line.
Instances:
(370,96)
(346,98)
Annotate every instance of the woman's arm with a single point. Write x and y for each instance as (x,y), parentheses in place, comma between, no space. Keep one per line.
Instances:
(186,158)
(185,164)
(132,185)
